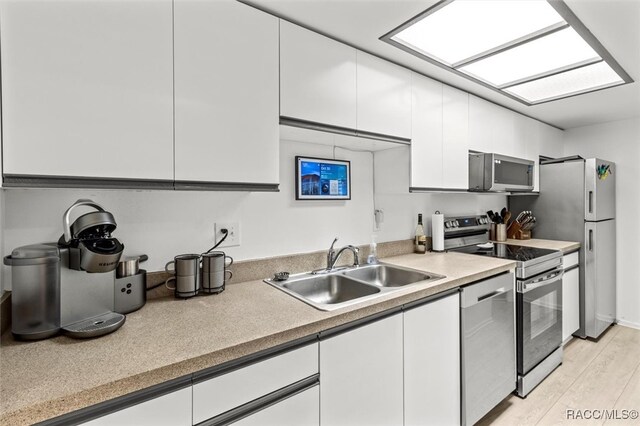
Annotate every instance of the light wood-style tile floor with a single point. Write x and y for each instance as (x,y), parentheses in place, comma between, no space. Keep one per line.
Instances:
(602,375)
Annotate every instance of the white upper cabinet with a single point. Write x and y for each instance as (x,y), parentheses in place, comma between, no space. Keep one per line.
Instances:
(426,131)
(87,88)
(317,77)
(384,97)
(493,128)
(481,119)
(440,133)
(226,93)
(455,138)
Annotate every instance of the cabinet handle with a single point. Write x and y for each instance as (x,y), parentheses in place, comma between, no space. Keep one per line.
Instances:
(590,201)
(590,239)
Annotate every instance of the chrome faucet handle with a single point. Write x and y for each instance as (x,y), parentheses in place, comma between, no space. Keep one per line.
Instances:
(330,254)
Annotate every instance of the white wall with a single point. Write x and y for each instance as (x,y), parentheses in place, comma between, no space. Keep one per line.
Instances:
(165,223)
(401,208)
(619,141)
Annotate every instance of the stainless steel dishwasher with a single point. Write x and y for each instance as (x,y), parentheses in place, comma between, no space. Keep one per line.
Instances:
(488,345)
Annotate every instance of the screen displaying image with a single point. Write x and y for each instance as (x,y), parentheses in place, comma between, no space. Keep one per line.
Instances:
(322,179)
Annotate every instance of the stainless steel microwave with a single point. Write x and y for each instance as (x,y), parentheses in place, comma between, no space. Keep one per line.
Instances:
(496,173)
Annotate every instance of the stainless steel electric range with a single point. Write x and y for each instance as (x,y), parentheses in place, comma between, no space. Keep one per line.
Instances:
(538,296)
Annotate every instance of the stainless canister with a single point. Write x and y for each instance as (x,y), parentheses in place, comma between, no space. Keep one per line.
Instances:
(186,275)
(214,272)
(35,291)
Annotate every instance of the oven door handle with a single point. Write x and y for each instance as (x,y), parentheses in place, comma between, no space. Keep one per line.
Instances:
(545,280)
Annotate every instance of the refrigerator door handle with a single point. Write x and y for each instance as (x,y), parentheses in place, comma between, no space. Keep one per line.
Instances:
(590,201)
(590,239)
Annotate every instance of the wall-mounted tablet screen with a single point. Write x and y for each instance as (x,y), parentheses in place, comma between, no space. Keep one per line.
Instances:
(322,179)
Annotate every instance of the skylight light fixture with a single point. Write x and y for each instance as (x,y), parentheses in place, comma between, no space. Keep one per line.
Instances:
(533,51)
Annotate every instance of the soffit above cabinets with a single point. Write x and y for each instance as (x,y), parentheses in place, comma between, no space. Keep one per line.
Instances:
(615,24)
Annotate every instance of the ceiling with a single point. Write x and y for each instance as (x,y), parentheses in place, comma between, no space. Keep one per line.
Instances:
(360,23)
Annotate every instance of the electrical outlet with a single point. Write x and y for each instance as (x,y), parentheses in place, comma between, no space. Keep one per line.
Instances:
(233,237)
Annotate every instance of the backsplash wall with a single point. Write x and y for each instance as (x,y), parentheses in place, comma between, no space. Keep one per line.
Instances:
(165,223)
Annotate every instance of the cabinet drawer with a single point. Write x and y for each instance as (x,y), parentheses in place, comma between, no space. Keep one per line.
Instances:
(570,260)
(225,392)
(172,409)
(302,409)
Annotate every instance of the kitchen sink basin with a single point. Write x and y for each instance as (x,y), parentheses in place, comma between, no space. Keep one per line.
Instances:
(328,291)
(389,276)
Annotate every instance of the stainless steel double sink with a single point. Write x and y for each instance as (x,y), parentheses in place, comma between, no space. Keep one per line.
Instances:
(328,291)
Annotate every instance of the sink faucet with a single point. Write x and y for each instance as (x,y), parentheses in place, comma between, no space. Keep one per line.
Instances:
(332,256)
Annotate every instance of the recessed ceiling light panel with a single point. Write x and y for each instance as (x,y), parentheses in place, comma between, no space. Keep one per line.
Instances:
(592,77)
(532,51)
(548,54)
(463,29)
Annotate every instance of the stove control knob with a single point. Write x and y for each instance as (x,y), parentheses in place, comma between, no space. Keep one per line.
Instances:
(457,223)
(447,224)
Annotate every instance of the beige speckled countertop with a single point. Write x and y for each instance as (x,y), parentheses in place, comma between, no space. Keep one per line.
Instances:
(563,246)
(171,338)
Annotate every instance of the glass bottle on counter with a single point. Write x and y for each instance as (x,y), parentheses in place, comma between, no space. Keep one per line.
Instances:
(420,242)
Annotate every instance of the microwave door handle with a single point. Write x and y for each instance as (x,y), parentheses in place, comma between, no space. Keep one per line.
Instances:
(530,285)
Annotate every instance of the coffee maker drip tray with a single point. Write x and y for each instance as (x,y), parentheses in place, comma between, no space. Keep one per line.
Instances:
(95,326)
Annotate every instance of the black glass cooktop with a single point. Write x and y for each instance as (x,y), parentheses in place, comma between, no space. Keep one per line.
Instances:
(507,251)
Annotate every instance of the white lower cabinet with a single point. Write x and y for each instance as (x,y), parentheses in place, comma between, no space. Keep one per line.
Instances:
(361,375)
(570,296)
(432,363)
(234,389)
(302,409)
(172,409)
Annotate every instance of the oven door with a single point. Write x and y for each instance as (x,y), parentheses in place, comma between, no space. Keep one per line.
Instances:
(538,318)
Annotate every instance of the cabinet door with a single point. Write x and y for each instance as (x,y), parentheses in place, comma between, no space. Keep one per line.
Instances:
(432,363)
(481,125)
(317,77)
(226,93)
(361,375)
(173,409)
(384,97)
(87,88)
(455,138)
(302,409)
(570,303)
(426,131)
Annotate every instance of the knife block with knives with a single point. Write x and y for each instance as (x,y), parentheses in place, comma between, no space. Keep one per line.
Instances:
(520,229)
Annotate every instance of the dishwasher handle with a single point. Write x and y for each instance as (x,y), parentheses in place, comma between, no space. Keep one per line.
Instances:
(493,294)
(487,290)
